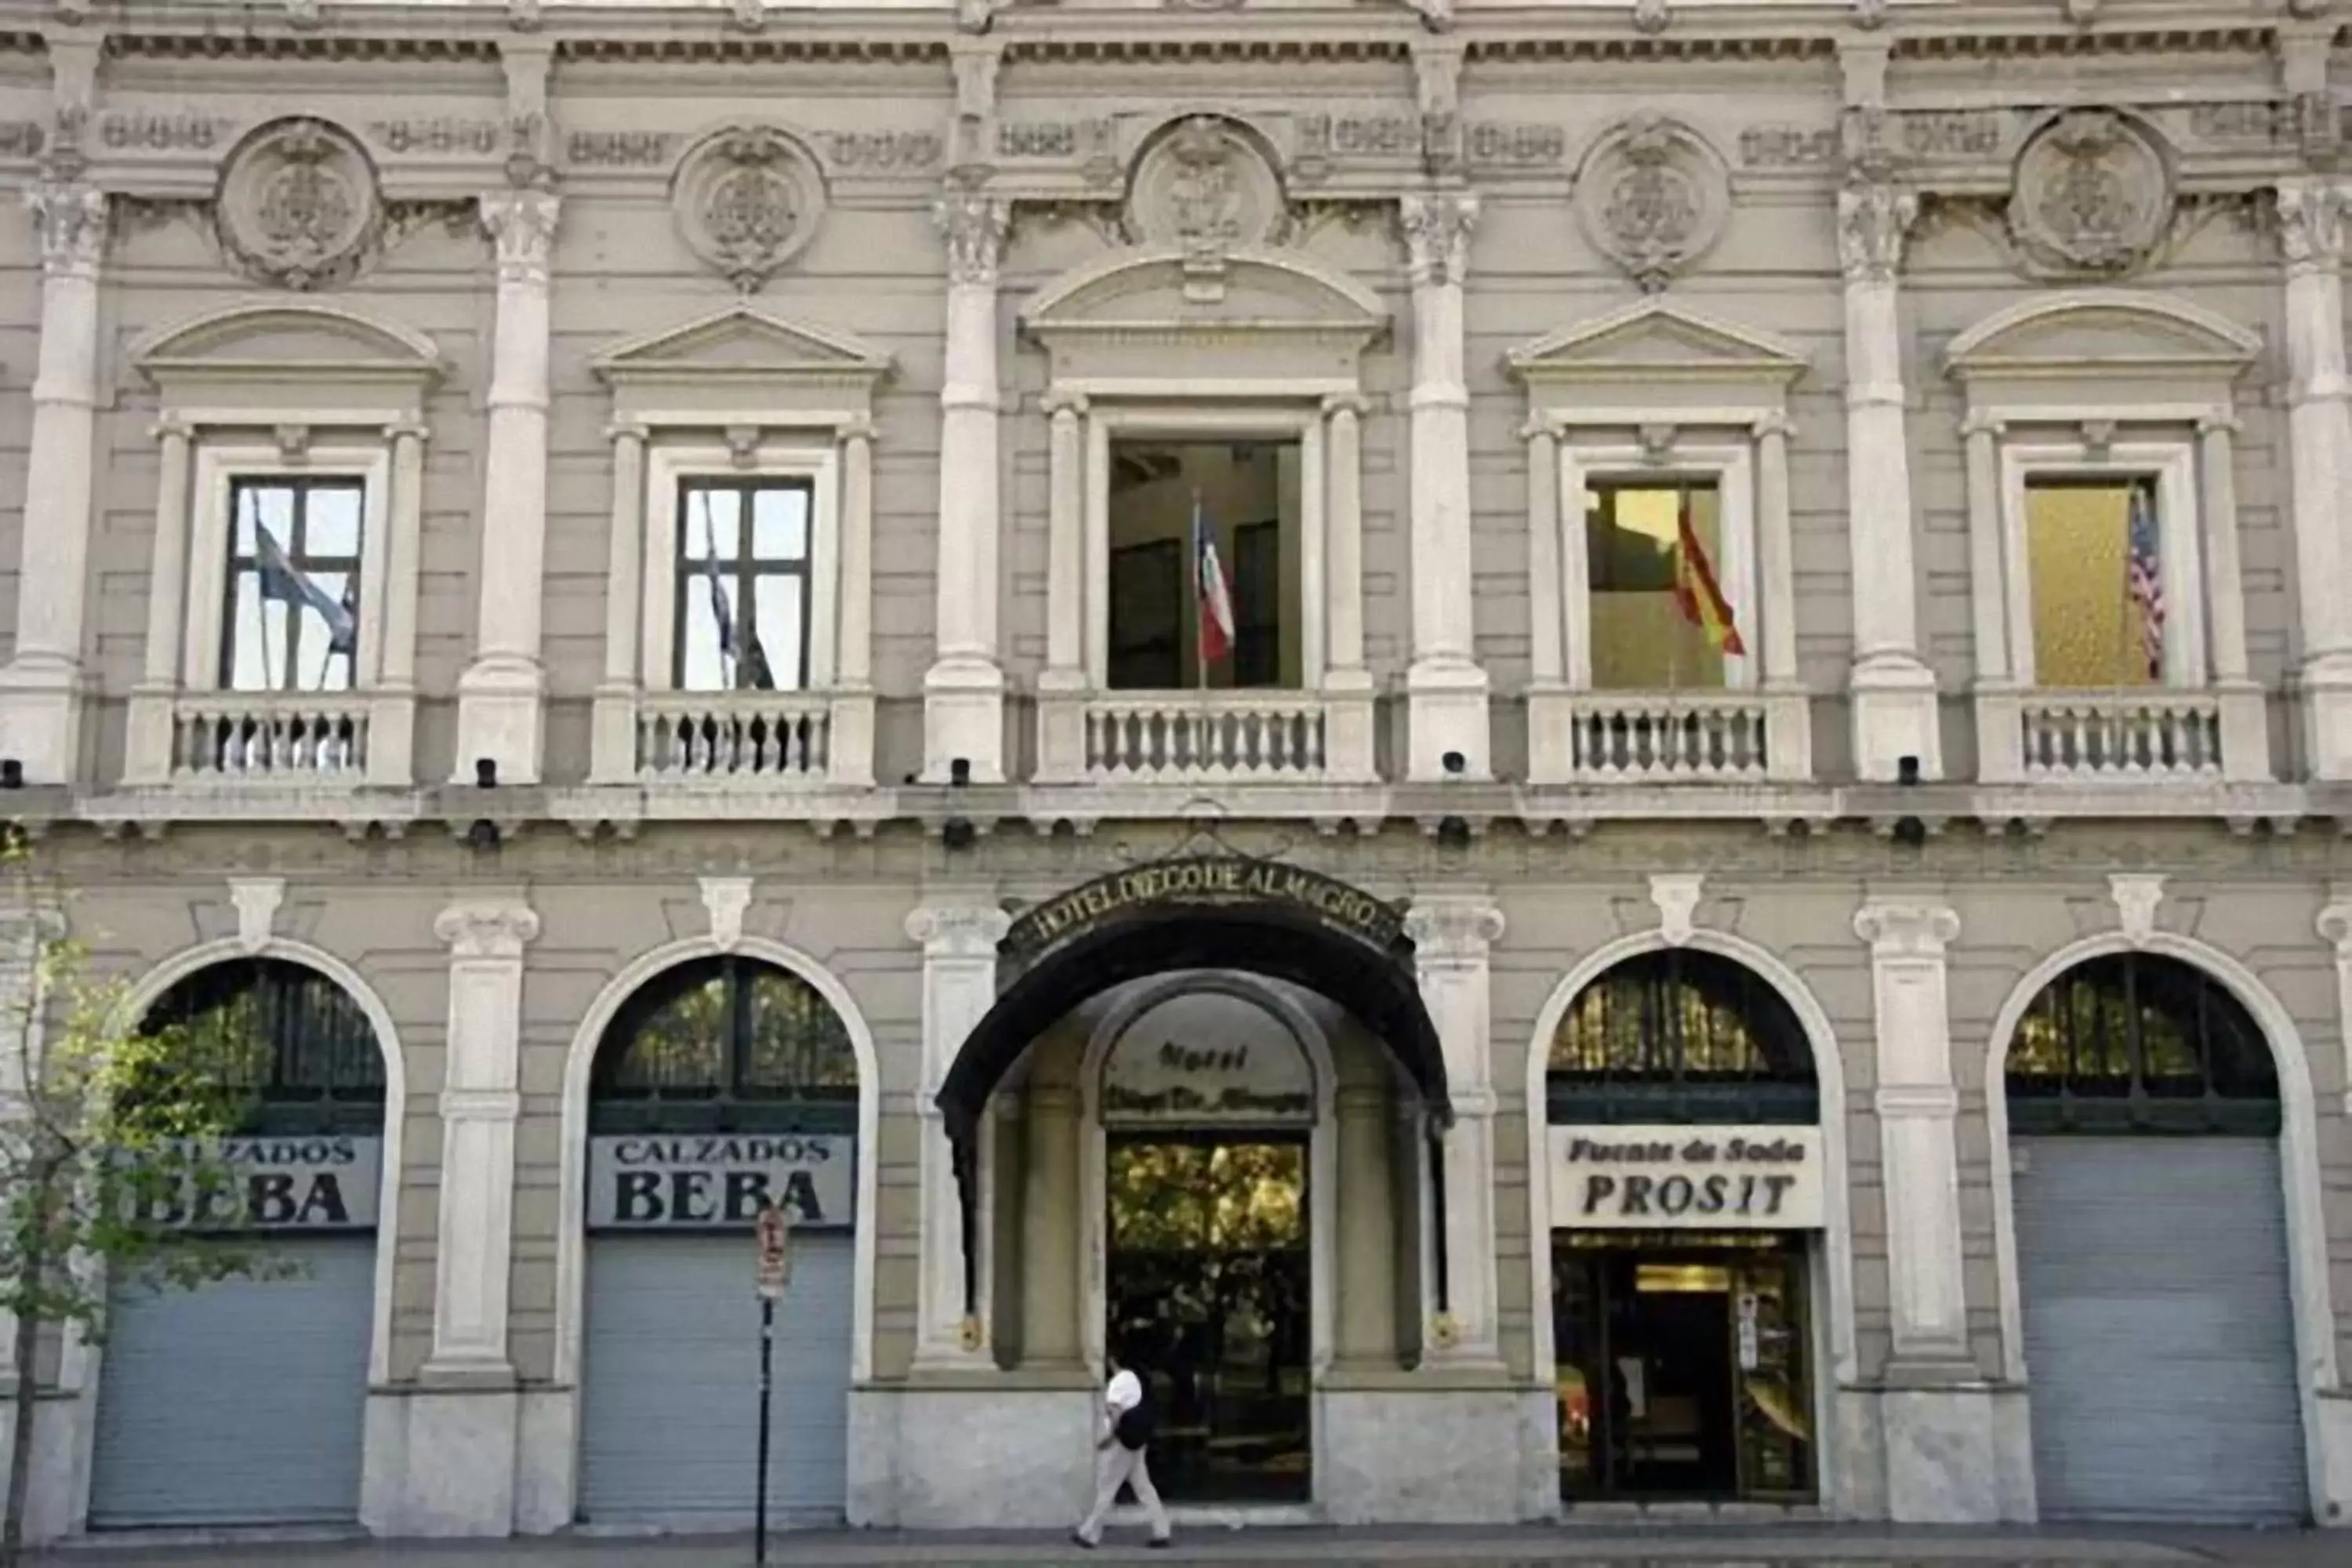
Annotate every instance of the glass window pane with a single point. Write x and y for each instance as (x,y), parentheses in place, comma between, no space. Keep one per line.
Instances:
(1642,640)
(269,506)
(780,523)
(2088,624)
(713,514)
(778,601)
(255,638)
(323,649)
(330,523)
(703,662)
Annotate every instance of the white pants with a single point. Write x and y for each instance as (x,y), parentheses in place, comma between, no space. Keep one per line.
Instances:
(1116,1467)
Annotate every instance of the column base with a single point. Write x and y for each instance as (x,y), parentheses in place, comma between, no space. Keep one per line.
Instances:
(500,702)
(1445,711)
(1435,1456)
(40,717)
(1941,1455)
(2331,1442)
(1894,716)
(963,716)
(2326,688)
(983,1457)
(58,1427)
(441,1464)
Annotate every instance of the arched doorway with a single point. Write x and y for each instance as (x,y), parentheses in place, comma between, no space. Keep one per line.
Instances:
(1688,1194)
(2151,1248)
(244,1402)
(722,1083)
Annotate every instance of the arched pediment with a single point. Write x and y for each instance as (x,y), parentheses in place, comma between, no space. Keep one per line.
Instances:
(1261,314)
(280,340)
(741,361)
(2120,334)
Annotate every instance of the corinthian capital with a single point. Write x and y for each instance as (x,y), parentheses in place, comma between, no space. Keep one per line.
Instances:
(2311,228)
(1906,930)
(1436,230)
(974,224)
(1454,930)
(486,927)
(522,222)
(71,218)
(958,931)
(1875,217)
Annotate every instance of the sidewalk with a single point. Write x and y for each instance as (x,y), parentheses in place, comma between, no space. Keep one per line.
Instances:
(1862,1546)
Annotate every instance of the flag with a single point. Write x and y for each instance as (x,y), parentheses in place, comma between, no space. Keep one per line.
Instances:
(755,662)
(2144,580)
(1209,584)
(1697,593)
(280,581)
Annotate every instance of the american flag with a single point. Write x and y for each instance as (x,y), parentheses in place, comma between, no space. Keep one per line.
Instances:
(2144,580)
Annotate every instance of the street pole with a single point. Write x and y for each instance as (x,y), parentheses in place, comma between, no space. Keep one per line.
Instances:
(767,1361)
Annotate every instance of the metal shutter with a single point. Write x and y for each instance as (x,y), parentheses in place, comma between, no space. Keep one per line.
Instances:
(242,1402)
(2159,1334)
(670,1382)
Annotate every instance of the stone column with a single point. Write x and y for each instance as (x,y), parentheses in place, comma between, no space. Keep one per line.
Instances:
(849,755)
(963,692)
(1938,1423)
(148,741)
(40,685)
(1367,1329)
(392,708)
(1049,1215)
(1453,934)
(2312,235)
(1062,684)
(2245,719)
(499,694)
(959,938)
(1445,689)
(612,739)
(1551,752)
(1893,691)
(1347,696)
(1789,723)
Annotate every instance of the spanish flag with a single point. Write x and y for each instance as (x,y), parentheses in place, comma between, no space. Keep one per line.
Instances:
(1697,593)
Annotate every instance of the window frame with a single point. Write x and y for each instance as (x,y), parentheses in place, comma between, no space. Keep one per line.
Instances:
(670,466)
(302,486)
(744,573)
(731,1104)
(1731,467)
(220,467)
(2172,464)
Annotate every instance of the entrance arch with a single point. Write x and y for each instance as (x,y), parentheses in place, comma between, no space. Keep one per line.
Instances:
(1786,991)
(2297,1177)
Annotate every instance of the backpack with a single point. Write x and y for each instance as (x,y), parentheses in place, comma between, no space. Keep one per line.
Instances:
(1133,1427)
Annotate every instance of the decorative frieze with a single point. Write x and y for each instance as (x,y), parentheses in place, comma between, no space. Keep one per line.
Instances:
(1652,196)
(746,199)
(882,152)
(22,139)
(442,136)
(619,149)
(297,206)
(1951,134)
(1788,146)
(1516,143)
(137,130)
(2093,193)
(2261,124)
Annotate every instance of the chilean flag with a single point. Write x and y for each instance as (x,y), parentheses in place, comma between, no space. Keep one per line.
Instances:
(1209,586)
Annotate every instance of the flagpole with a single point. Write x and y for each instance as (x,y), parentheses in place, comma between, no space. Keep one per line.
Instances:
(1199,602)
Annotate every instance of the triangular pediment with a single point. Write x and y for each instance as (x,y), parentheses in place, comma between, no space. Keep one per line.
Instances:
(742,342)
(295,342)
(2106,333)
(1654,338)
(1165,288)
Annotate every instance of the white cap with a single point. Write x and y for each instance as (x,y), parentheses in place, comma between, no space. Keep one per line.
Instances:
(1126,1391)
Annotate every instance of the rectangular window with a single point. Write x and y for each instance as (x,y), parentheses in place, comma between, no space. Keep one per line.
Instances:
(1659,622)
(2095,570)
(1168,499)
(742,584)
(293,609)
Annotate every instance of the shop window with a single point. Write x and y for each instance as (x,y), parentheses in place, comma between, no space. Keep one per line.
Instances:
(1204,543)
(1681,1036)
(2094,561)
(742,583)
(1661,618)
(726,1044)
(284,1039)
(2140,1042)
(292,620)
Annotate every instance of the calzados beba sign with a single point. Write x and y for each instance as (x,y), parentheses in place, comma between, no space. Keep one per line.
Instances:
(678,1181)
(1687,1178)
(1204,880)
(326,1182)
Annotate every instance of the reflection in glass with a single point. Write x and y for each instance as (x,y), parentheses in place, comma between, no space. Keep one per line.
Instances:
(292,613)
(1209,1298)
(1641,641)
(742,614)
(2086,625)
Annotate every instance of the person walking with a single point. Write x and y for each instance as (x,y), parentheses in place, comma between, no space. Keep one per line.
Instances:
(1122,1436)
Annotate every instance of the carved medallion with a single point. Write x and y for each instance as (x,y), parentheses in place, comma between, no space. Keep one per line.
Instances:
(297,204)
(1652,196)
(747,200)
(1207,185)
(2092,194)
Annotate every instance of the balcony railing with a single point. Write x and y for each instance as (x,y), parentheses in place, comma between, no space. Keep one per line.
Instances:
(757,737)
(252,737)
(1666,738)
(2127,735)
(1220,736)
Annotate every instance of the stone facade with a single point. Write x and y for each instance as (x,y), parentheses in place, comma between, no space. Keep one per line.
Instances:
(519,267)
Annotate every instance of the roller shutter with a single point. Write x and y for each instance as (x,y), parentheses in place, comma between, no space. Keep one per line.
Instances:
(2159,1337)
(238,1402)
(670,1382)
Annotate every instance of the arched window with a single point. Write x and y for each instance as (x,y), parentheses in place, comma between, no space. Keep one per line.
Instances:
(1681,1036)
(725,1045)
(297,1043)
(2136,1042)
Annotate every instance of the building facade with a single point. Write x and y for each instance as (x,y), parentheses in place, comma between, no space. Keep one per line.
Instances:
(1579,757)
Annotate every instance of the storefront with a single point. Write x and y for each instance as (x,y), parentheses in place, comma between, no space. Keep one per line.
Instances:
(1688,1188)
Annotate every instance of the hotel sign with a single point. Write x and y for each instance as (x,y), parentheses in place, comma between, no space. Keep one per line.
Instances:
(1207,1056)
(684,1181)
(1687,1178)
(1204,880)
